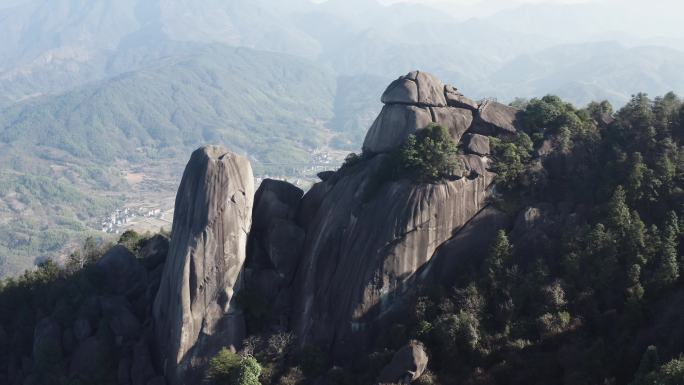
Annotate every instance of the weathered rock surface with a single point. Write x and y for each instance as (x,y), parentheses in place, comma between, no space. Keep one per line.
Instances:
(418,99)
(194,313)
(476,144)
(154,251)
(394,124)
(401,91)
(456,120)
(122,322)
(275,199)
(472,241)
(3,337)
(456,99)
(82,329)
(416,87)
(362,245)
(90,359)
(157,381)
(47,340)
(141,369)
(494,118)
(123,274)
(407,365)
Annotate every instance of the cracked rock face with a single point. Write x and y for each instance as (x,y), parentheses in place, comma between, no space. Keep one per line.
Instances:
(495,118)
(194,313)
(365,242)
(416,87)
(418,99)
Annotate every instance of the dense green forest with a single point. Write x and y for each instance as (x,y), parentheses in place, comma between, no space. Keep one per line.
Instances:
(589,292)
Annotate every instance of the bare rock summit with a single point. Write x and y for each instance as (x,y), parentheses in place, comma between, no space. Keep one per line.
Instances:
(419,99)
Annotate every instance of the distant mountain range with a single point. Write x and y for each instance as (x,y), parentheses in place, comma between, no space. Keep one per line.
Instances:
(50,47)
(85,84)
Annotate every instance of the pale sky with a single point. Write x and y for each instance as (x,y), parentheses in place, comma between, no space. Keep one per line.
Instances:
(636,17)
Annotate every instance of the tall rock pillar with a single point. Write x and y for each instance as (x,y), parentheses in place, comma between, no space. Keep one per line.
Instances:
(194,311)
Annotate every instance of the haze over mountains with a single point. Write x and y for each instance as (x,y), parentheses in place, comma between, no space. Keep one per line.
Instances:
(91,89)
(51,46)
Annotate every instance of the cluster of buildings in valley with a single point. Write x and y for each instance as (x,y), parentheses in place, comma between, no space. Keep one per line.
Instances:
(304,175)
(121,219)
(155,210)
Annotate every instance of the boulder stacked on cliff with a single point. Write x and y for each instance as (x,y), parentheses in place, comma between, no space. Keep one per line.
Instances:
(417,99)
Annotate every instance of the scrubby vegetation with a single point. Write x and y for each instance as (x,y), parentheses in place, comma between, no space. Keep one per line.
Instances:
(228,368)
(429,154)
(67,323)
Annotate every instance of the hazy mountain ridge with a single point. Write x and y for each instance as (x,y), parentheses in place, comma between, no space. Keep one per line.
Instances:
(48,43)
(134,81)
(267,105)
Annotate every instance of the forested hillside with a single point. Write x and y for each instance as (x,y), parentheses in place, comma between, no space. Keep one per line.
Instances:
(585,286)
(63,155)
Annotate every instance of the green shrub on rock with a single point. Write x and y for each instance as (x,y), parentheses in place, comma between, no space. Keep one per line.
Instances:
(429,154)
(228,368)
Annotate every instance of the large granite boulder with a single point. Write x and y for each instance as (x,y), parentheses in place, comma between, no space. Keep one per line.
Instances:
(283,243)
(82,329)
(141,368)
(456,120)
(275,199)
(194,311)
(92,357)
(3,337)
(154,251)
(122,272)
(47,341)
(494,118)
(476,144)
(394,124)
(413,102)
(456,99)
(123,323)
(416,87)
(364,241)
(406,366)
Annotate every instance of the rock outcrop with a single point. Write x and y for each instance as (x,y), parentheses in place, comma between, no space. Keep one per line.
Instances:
(275,245)
(359,242)
(494,118)
(420,88)
(407,365)
(476,144)
(194,313)
(418,99)
(362,246)
(336,263)
(122,272)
